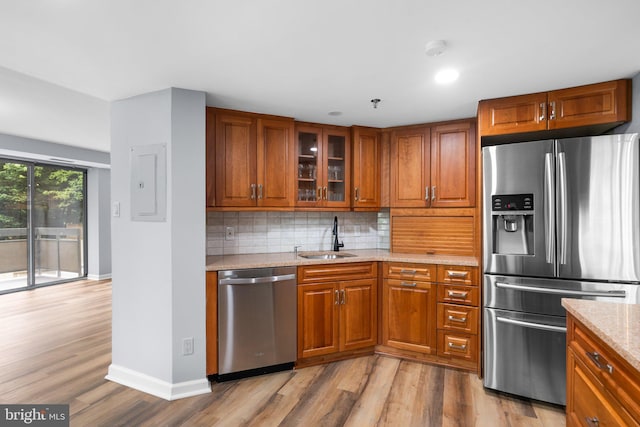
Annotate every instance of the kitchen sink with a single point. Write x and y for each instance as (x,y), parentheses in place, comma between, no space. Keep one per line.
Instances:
(325,255)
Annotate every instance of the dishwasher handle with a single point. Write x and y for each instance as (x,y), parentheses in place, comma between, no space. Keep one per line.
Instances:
(254,280)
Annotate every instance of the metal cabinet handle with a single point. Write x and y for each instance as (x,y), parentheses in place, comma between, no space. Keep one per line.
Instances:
(336,300)
(403,271)
(319,193)
(595,358)
(543,111)
(562,207)
(357,194)
(458,319)
(457,294)
(259,191)
(457,274)
(343,297)
(253,191)
(592,421)
(325,192)
(549,207)
(532,325)
(433,193)
(457,347)
(409,284)
(552,113)
(426,193)
(526,288)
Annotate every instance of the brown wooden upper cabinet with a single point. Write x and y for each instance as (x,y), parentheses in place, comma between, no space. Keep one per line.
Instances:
(254,160)
(366,169)
(434,167)
(323,166)
(595,104)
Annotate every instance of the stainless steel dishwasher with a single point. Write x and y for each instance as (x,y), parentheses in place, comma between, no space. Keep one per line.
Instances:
(256,321)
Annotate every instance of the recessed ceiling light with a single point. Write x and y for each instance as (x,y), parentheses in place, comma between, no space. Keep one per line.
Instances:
(447,75)
(335,113)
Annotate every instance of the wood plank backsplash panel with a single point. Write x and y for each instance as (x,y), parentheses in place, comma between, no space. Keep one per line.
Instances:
(441,235)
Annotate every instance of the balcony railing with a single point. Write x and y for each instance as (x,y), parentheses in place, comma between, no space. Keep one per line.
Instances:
(58,251)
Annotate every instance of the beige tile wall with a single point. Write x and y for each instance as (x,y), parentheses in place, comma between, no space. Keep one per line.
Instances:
(264,232)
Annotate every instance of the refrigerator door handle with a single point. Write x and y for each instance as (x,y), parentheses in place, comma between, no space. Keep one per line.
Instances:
(562,208)
(531,324)
(614,293)
(549,207)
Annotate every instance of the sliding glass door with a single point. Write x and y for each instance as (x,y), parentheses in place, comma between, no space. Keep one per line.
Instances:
(14,220)
(42,224)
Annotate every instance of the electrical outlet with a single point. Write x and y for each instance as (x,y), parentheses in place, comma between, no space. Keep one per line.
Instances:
(229,233)
(115,209)
(187,346)
(356,231)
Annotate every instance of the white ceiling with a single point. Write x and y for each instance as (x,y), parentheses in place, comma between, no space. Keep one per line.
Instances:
(64,60)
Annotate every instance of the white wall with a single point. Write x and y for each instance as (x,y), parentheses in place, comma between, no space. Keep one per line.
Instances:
(158,267)
(98,224)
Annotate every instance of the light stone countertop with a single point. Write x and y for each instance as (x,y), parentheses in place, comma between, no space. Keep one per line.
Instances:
(231,262)
(618,325)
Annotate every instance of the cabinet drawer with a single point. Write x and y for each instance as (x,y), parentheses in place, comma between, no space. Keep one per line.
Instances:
(336,272)
(420,272)
(458,345)
(619,380)
(458,318)
(458,274)
(458,294)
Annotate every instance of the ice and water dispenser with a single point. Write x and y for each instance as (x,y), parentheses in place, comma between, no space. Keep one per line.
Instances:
(512,224)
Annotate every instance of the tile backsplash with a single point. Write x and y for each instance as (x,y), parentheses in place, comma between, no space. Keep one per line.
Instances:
(264,232)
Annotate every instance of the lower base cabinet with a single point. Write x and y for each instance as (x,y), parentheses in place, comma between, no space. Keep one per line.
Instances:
(408,315)
(211,291)
(337,310)
(431,313)
(602,390)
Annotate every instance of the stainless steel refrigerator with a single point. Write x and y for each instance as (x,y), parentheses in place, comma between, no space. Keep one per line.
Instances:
(561,219)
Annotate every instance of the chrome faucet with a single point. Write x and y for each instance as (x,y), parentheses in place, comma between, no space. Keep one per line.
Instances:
(336,245)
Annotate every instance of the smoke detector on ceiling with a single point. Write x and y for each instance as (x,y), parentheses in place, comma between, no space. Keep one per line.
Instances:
(435,48)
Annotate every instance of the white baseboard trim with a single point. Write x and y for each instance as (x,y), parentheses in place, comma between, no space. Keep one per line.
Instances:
(98,276)
(156,387)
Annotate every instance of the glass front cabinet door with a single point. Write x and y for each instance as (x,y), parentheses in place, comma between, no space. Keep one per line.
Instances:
(323,167)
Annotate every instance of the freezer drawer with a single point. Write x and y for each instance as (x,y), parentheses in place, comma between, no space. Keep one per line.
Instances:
(525,354)
(543,296)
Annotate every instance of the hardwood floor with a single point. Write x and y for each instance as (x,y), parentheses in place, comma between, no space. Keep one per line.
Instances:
(56,347)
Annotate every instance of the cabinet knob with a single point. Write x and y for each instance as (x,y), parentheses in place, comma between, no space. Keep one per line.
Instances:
(592,421)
